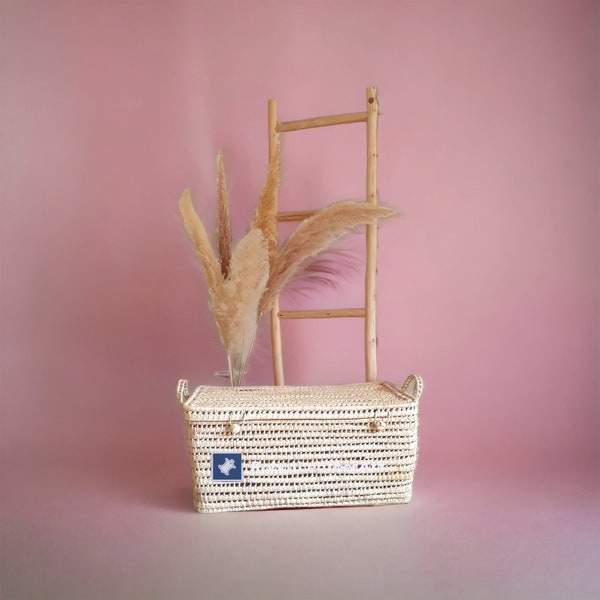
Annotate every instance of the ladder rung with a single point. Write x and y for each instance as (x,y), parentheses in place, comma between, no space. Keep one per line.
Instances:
(322,314)
(295,215)
(357,117)
(298,215)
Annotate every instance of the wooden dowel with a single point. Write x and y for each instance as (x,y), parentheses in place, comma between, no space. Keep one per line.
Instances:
(276,349)
(371,258)
(358,117)
(295,215)
(322,314)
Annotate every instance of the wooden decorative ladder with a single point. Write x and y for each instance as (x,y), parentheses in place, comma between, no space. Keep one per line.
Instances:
(368,312)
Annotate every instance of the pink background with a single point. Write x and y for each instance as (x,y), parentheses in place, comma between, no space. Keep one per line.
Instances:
(488,288)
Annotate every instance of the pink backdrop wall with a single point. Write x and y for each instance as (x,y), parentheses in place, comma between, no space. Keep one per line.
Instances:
(488,285)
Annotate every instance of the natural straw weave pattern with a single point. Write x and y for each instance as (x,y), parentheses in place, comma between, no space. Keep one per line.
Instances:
(303,446)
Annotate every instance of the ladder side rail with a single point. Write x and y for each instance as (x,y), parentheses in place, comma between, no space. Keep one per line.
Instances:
(370,116)
(276,349)
(371,250)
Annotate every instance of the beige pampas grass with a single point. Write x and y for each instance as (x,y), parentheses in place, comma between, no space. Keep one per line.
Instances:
(223,218)
(204,250)
(244,281)
(234,298)
(266,209)
(236,309)
(314,235)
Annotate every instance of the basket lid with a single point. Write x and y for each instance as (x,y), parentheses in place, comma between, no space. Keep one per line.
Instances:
(295,398)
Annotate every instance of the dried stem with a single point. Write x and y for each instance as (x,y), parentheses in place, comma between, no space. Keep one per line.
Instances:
(223,218)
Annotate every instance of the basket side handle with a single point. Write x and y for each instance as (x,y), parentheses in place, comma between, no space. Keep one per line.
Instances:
(182,391)
(413,387)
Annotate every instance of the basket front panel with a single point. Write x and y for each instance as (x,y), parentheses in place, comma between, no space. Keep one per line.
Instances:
(308,460)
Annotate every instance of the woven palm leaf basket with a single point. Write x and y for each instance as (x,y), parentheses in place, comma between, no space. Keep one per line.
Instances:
(282,446)
(255,448)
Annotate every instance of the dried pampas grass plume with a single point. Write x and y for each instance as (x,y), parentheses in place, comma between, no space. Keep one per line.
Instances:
(266,208)
(236,309)
(197,233)
(243,281)
(314,235)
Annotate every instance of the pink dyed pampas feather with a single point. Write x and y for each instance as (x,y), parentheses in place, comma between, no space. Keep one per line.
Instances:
(244,281)
(328,269)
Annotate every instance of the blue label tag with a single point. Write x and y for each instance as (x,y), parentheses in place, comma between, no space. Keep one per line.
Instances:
(226,466)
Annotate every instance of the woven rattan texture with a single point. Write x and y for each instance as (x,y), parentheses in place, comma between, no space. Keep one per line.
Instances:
(303,446)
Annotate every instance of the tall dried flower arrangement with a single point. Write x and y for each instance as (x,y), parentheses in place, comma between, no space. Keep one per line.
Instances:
(244,281)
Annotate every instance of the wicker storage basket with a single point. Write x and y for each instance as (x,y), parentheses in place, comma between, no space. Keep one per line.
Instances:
(255,448)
